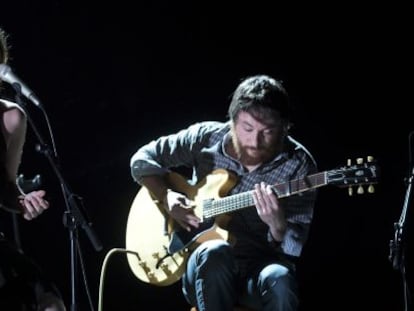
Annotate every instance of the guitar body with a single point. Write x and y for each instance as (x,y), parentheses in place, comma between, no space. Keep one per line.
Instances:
(163,247)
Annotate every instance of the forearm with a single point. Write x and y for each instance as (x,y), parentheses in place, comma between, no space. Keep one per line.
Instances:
(156,184)
(15,142)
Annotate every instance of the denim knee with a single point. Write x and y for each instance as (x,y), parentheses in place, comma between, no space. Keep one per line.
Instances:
(214,254)
(277,286)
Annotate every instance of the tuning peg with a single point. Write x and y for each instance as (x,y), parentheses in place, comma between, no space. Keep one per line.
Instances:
(371,189)
(360,190)
(350,191)
(348,162)
(370,159)
(360,160)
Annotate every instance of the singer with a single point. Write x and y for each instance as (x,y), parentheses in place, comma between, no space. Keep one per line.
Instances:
(22,284)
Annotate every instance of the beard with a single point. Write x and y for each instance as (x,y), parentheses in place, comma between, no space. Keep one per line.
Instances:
(253,155)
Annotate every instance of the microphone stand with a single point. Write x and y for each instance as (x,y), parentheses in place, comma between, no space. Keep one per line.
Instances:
(74,216)
(397,245)
(397,250)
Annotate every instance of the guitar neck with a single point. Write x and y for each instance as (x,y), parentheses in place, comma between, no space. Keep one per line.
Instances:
(215,207)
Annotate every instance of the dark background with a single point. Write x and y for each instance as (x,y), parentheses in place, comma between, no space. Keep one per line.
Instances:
(113,76)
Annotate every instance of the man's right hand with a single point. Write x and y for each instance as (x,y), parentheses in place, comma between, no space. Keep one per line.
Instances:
(181,209)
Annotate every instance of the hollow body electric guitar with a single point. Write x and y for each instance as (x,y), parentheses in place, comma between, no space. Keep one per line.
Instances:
(162,246)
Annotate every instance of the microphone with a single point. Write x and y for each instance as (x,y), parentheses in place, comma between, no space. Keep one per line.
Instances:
(7,75)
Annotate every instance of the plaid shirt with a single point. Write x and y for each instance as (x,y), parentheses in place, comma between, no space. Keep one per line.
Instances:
(200,147)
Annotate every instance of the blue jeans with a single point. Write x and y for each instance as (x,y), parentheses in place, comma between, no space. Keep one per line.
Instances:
(212,283)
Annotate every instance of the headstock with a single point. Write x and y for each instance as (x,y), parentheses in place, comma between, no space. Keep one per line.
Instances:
(356,175)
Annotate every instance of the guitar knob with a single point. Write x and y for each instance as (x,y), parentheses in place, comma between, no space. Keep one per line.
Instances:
(164,267)
(360,160)
(370,159)
(144,266)
(360,190)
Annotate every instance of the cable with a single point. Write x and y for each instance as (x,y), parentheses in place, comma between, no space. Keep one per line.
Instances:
(103,270)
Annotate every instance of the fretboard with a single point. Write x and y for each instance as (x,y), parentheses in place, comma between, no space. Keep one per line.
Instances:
(215,207)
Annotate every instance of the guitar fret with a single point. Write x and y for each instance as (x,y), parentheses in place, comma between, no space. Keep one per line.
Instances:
(300,185)
(228,204)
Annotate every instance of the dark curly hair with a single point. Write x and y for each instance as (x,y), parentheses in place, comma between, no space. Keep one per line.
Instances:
(262,96)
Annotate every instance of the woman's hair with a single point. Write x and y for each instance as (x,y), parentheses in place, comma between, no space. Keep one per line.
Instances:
(262,96)
(4,48)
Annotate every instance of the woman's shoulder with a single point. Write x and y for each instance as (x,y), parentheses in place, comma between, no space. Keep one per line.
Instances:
(7,104)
